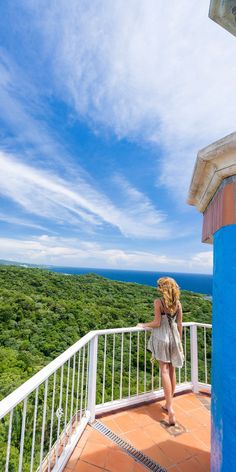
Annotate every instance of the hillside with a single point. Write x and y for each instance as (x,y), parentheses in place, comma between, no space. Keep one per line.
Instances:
(42,313)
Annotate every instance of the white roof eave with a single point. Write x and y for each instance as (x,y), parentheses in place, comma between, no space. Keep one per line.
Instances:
(214,163)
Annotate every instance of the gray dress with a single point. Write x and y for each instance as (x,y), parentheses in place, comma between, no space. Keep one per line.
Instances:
(165,343)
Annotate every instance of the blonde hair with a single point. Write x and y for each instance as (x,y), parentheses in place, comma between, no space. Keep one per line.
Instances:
(170,291)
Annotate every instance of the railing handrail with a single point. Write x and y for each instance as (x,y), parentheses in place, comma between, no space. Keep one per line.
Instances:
(18,395)
(206,325)
(31,384)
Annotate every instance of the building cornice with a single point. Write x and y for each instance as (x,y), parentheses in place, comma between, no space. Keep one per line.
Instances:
(214,163)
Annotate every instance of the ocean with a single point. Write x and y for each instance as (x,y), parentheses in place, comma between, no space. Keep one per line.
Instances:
(200,283)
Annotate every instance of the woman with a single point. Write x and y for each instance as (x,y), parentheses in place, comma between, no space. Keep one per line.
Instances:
(165,342)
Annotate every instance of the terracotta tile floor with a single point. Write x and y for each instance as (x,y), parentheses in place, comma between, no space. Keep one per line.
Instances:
(186,452)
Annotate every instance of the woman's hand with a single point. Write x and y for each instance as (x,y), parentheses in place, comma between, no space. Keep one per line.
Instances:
(139,325)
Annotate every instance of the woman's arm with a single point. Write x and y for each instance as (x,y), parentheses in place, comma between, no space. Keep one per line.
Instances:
(157,317)
(179,320)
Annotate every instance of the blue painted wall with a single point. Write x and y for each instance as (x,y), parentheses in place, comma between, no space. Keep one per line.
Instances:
(223,406)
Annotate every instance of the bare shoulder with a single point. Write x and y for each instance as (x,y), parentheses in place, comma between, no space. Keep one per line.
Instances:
(157,305)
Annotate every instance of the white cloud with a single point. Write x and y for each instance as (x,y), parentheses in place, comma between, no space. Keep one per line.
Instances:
(149,72)
(154,71)
(203,259)
(74,199)
(19,103)
(21,222)
(73,252)
(67,202)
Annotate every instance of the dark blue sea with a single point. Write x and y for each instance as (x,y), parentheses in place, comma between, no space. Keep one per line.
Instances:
(201,283)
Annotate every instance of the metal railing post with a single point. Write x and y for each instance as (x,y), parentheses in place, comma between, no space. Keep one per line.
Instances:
(194,357)
(92,377)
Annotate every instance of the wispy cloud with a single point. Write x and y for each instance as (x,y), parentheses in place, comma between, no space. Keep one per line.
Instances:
(148,71)
(19,104)
(145,71)
(11,220)
(73,252)
(74,199)
(48,195)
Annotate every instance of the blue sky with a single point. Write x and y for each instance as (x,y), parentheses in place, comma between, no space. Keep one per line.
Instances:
(103,109)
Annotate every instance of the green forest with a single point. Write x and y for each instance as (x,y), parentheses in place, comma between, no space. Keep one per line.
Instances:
(42,313)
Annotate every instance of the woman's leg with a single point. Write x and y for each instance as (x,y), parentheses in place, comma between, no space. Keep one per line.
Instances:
(166,383)
(172,379)
(167,387)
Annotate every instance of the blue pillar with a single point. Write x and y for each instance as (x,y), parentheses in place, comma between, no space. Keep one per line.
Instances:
(223,408)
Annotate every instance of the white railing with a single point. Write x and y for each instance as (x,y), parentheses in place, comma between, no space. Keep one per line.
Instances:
(42,420)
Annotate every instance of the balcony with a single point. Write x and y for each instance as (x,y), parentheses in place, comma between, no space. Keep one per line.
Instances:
(98,407)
